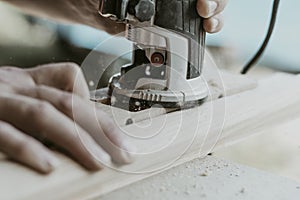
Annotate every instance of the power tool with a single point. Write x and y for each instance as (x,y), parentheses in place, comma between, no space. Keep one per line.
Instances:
(168,54)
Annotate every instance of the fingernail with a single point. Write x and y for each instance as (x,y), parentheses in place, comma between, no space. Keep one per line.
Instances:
(130,148)
(126,158)
(47,164)
(102,157)
(106,159)
(214,24)
(128,151)
(52,162)
(212,6)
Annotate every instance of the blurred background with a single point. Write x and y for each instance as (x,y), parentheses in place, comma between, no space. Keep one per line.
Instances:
(26,41)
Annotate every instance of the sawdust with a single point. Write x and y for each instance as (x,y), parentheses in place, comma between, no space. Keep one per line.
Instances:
(162,189)
(243,190)
(91,83)
(203,174)
(189,182)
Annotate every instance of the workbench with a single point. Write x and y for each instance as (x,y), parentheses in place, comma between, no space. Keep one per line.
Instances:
(236,108)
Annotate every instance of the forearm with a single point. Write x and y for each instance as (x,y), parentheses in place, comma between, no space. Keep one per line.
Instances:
(70,11)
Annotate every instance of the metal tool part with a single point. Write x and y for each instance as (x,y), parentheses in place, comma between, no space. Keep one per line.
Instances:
(169,45)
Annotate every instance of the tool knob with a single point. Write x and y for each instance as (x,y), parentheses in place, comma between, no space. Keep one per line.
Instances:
(143,10)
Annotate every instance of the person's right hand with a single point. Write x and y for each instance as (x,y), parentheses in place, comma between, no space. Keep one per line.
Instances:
(51,103)
(211,11)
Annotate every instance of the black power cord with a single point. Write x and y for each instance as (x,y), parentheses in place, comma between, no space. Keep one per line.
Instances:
(266,41)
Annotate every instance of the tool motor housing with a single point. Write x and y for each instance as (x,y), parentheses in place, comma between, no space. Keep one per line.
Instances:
(169,46)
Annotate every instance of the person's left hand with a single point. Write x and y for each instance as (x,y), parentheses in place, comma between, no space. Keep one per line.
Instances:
(50,103)
(212,10)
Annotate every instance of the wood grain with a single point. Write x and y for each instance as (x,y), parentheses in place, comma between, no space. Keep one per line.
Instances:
(274,101)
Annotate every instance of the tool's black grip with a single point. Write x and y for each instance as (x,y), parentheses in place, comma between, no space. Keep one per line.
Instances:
(181,16)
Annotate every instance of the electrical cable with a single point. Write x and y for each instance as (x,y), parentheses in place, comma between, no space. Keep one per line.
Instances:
(261,50)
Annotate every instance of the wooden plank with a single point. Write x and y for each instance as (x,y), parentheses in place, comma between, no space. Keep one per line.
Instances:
(210,179)
(274,101)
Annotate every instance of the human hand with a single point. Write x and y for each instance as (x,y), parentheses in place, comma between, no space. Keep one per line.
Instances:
(51,103)
(211,11)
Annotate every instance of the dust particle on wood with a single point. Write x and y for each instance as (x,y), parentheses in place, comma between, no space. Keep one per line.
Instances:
(243,190)
(129,121)
(203,174)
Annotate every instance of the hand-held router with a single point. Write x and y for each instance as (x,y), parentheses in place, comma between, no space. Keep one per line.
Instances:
(169,45)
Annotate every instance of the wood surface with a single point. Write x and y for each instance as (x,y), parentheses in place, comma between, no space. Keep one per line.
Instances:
(214,124)
(210,179)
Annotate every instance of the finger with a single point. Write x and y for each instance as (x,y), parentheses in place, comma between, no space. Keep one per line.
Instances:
(5,88)
(64,76)
(110,26)
(24,149)
(40,117)
(113,140)
(19,77)
(93,120)
(213,24)
(209,8)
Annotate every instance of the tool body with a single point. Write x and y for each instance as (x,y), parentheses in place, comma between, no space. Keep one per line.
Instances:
(169,44)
